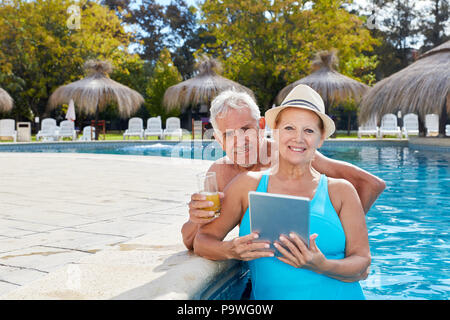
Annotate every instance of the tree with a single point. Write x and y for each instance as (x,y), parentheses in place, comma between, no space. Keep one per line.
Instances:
(402,28)
(165,74)
(266,44)
(39,51)
(434,29)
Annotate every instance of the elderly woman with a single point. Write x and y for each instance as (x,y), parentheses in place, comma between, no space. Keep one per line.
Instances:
(338,255)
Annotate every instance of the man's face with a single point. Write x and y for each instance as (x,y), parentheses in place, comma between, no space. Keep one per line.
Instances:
(238,134)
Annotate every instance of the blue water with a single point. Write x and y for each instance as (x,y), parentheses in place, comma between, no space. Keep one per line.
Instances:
(408,225)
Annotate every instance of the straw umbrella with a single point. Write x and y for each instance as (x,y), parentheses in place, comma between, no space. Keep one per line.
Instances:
(93,93)
(201,89)
(421,88)
(333,87)
(6,102)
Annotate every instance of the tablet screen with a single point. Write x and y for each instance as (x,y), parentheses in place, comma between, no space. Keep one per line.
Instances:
(274,214)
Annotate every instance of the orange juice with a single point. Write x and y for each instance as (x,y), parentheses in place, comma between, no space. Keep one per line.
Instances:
(213,197)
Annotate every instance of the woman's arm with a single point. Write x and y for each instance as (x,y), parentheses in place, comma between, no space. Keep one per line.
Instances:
(354,266)
(368,186)
(357,252)
(209,243)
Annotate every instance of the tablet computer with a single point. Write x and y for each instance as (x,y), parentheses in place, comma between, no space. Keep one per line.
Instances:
(274,214)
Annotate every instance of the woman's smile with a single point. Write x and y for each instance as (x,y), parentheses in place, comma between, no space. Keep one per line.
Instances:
(297,149)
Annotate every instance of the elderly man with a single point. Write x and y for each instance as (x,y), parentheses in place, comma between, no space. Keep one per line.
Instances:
(233,115)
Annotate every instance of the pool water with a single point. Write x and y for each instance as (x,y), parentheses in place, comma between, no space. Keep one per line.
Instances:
(408,224)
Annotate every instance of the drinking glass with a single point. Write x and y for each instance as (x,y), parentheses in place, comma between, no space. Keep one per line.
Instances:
(207,185)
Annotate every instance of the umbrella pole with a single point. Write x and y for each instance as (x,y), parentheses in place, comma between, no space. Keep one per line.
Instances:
(96,123)
(443,119)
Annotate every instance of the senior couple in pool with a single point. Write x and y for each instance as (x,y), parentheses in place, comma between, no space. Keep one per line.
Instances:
(338,255)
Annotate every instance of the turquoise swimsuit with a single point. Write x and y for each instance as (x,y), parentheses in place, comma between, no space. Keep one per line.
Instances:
(276,280)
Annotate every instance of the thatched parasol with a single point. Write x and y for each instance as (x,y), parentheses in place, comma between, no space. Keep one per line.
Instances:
(93,93)
(6,102)
(202,88)
(421,88)
(332,86)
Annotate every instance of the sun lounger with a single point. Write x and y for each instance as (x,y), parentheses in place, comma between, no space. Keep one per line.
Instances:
(173,128)
(432,124)
(87,133)
(410,124)
(8,129)
(368,128)
(135,128)
(67,130)
(389,126)
(49,130)
(154,128)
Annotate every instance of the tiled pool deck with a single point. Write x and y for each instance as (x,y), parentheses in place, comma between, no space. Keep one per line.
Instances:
(84,226)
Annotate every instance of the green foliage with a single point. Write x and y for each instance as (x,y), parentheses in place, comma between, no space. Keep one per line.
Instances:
(39,52)
(267,44)
(361,67)
(165,74)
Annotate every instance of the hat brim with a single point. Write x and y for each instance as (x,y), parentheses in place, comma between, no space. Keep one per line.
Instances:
(328,123)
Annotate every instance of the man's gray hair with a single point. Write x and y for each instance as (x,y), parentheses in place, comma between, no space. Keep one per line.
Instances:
(232,99)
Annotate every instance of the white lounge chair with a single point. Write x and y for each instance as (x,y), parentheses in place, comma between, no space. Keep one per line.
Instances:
(173,128)
(87,133)
(389,126)
(8,128)
(154,128)
(447,130)
(67,130)
(135,128)
(410,124)
(49,130)
(432,124)
(197,129)
(368,128)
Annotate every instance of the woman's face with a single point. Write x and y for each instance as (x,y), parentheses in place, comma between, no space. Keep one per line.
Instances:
(300,135)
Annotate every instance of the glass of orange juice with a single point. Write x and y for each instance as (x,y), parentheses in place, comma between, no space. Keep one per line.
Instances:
(207,185)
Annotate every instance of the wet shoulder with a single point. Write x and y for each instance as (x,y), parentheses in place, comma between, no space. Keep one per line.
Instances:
(339,190)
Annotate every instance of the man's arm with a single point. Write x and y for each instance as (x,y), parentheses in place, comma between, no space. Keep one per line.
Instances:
(368,186)
(197,216)
(189,231)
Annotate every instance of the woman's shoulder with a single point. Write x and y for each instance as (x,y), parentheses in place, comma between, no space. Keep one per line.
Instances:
(338,183)
(340,188)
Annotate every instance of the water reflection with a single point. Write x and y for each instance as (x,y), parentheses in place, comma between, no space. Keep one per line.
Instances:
(409,224)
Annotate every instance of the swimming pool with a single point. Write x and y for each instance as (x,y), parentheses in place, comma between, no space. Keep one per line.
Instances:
(408,225)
